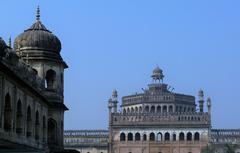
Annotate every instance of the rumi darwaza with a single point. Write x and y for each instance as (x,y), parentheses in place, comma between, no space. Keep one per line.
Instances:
(158,120)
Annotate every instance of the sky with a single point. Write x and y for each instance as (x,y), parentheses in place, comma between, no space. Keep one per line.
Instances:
(115,44)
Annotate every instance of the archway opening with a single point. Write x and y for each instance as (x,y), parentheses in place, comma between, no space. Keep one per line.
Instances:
(50,78)
(19,115)
(196,136)
(189,136)
(52,132)
(7,113)
(130,137)
(152,136)
(167,137)
(181,136)
(29,122)
(137,136)
(37,124)
(122,137)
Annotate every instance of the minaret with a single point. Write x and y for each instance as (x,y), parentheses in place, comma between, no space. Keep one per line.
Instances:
(114,100)
(201,100)
(209,105)
(110,106)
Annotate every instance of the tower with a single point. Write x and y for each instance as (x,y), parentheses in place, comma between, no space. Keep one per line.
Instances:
(40,48)
(201,100)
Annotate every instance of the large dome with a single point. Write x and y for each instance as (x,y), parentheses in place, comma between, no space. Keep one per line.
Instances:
(37,37)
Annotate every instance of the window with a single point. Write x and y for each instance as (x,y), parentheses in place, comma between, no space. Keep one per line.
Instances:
(144,137)
(181,136)
(137,137)
(130,137)
(167,136)
(50,79)
(37,124)
(122,137)
(159,136)
(29,122)
(19,129)
(189,136)
(152,136)
(196,136)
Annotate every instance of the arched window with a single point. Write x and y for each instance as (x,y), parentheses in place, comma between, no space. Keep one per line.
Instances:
(136,109)
(170,108)
(29,122)
(152,109)
(147,109)
(122,137)
(189,136)
(19,117)
(7,113)
(50,78)
(137,136)
(128,110)
(159,136)
(152,136)
(196,136)
(164,109)
(181,136)
(167,136)
(158,109)
(132,110)
(124,110)
(37,124)
(140,109)
(130,137)
(44,129)
(52,131)
(144,137)
(174,137)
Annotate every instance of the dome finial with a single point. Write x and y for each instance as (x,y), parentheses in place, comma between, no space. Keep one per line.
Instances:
(38,13)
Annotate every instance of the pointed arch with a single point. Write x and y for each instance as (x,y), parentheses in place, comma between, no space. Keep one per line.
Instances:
(152,137)
(29,122)
(130,136)
(158,109)
(122,137)
(189,136)
(7,113)
(196,136)
(144,137)
(50,78)
(181,136)
(137,136)
(146,109)
(19,117)
(159,136)
(152,110)
(52,132)
(167,136)
(37,125)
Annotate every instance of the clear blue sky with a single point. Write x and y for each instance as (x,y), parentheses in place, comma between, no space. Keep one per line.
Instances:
(112,44)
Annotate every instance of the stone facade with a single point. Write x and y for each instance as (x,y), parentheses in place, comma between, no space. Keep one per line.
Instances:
(31,92)
(86,141)
(158,121)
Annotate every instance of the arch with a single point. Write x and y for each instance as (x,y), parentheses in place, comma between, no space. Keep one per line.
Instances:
(128,110)
(19,117)
(167,136)
(170,108)
(137,137)
(144,137)
(140,109)
(52,131)
(196,136)
(158,109)
(181,136)
(122,137)
(132,110)
(44,129)
(152,110)
(29,122)
(7,113)
(136,109)
(164,109)
(147,109)
(159,136)
(124,111)
(152,137)
(37,124)
(189,136)
(50,78)
(130,136)
(174,137)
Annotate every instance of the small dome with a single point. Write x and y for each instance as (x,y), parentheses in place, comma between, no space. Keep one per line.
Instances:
(157,74)
(37,37)
(114,93)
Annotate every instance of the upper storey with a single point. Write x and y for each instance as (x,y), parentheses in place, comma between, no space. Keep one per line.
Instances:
(159,94)
(38,43)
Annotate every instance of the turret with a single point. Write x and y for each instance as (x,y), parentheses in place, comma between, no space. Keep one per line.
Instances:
(209,104)
(201,100)
(114,100)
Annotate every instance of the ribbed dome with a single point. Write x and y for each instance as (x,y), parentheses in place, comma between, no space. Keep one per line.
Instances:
(37,37)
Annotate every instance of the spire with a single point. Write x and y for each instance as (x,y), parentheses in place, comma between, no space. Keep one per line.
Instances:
(10,42)
(38,14)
